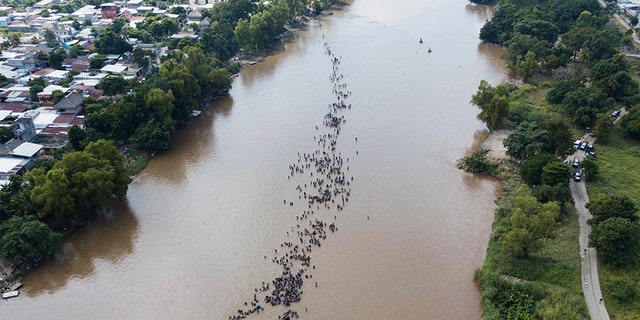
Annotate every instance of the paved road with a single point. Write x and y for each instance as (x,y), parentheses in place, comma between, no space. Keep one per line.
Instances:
(590,282)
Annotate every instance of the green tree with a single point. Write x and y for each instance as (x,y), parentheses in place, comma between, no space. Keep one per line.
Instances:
(585,103)
(51,38)
(606,207)
(77,138)
(531,168)
(527,66)
(54,196)
(590,167)
(36,85)
(151,137)
(555,172)
(57,96)
(478,162)
(493,106)
(527,140)
(531,224)
(6,134)
(55,59)
(76,25)
(113,85)
(97,61)
(26,237)
(75,51)
(617,241)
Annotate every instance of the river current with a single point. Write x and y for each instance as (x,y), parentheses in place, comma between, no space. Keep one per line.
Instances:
(189,242)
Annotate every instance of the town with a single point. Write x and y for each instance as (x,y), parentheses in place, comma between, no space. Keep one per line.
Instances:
(49,64)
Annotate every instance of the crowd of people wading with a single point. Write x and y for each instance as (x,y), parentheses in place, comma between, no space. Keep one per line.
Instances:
(328,189)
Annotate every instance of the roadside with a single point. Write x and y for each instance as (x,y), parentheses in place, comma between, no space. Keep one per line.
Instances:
(589,264)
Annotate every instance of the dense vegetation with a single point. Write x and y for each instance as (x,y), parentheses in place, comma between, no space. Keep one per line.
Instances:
(575,76)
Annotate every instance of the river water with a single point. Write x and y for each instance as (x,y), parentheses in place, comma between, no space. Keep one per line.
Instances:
(190,241)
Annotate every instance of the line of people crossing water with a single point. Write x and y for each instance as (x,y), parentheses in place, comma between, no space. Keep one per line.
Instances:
(329,188)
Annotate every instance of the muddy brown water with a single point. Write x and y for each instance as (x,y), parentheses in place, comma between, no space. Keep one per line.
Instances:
(189,241)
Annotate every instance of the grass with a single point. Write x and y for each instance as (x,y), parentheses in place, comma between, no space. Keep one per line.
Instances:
(135,161)
(619,175)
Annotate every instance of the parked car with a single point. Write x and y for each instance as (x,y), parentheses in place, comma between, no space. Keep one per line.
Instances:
(576,176)
(592,154)
(583,146)
(577,144)
(615,114)
(576,162)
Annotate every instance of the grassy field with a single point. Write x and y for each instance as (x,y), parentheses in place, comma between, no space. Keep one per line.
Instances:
(619,175)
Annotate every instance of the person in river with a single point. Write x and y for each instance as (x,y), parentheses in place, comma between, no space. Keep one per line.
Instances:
(328,186)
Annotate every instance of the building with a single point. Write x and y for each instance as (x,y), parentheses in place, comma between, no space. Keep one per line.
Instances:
(25,129)
(109,10)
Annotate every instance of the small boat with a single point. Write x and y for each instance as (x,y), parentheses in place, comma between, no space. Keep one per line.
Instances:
(420,40)
(10,294)
(429,50)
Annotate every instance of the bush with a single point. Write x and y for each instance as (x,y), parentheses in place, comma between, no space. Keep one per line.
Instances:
(622,289)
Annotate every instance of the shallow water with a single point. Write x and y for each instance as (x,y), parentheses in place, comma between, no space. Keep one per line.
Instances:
(190,240)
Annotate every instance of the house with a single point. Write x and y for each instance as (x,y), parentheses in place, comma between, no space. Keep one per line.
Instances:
(71,103)
(17,157)
(24,129)
(45,98)
(109,10)
(86,13)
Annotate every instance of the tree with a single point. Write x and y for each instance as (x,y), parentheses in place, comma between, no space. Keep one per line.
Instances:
(555,172)
(560,137)
(36,85)
(57,96)
(532,223)
(113,85)
(527,140)
(75,51)
(590,167)
(617,241)
(26,237)
(493,106)
(630,123)
(604,124)
(80,182)
(97,61)
(151,137)
(559,193)
(477,162)
(6,134)
(585,103)
(531,169)
(76,25)
(54,196)
(607,207)
(77,138)
(51,38)
(55,59)
(527,66)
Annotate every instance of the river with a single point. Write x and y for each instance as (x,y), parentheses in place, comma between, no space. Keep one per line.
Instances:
(189,242)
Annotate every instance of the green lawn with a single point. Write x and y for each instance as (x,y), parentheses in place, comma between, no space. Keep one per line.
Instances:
(619,162)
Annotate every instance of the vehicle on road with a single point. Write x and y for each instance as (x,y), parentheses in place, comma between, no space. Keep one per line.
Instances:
(576,162)
(576,176)
(583,145)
